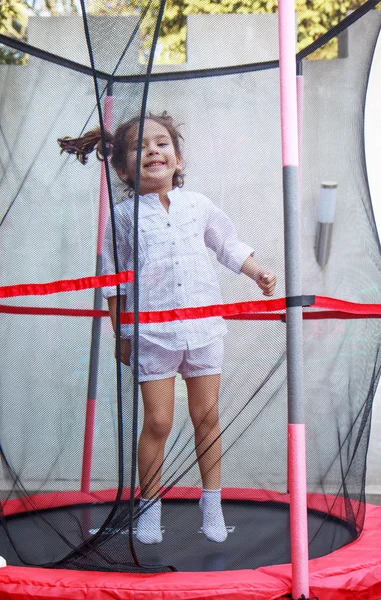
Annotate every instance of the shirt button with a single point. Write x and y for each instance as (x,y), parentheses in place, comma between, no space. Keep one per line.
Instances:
(176,262)
(179,284)
(168,224)
(173,243)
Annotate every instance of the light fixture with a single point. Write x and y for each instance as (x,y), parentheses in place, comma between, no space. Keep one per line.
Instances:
(325,220)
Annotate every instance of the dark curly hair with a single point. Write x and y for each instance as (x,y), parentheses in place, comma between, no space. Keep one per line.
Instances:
(116,145)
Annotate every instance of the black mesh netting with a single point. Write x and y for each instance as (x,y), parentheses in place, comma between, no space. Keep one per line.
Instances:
(59,509)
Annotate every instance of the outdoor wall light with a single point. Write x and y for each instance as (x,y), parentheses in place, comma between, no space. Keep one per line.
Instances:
(325,220)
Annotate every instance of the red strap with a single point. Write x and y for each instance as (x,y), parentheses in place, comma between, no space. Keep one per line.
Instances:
(266,310)
(200,312)
(65,285)
(229,311)
(252,310)
(348,307)
(64,312)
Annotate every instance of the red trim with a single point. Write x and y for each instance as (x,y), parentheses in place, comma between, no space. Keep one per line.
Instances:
(65,285)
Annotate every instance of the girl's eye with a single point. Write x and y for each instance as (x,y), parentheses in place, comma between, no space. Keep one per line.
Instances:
(163,144)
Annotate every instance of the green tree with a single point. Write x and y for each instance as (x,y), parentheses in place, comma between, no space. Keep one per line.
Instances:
(315,17)
(13,21)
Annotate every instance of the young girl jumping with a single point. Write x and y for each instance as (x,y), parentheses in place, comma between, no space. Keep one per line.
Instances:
(176,228)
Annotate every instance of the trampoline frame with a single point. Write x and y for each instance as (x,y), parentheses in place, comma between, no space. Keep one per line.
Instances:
(353,571)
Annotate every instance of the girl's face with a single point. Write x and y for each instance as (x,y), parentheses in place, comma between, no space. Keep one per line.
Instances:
(158,161)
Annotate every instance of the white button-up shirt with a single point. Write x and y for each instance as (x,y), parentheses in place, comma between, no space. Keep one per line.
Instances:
(175,269)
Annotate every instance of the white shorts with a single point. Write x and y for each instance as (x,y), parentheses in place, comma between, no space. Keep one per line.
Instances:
(156,362)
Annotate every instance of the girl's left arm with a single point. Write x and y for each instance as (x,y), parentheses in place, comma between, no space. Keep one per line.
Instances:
(221,236)
(266,280)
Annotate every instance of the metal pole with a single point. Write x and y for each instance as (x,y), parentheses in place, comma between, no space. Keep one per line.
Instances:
(300,109)
(294,316)
(96,325)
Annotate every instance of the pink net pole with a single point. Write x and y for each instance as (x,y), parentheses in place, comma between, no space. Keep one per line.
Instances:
(96,327)
(294,321)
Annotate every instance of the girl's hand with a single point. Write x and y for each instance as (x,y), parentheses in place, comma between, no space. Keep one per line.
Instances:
(125,351)
(266,280)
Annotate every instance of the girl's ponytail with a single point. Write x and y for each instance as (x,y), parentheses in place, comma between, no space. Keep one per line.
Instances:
(84,145)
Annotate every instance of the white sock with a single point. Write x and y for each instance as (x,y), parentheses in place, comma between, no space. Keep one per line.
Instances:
(213,523)
(148,529)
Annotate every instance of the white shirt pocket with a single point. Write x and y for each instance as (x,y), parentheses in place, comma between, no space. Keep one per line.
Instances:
(190,236)
(154,239)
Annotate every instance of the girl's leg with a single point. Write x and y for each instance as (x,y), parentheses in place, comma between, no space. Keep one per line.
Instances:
(203,408)
(158,401)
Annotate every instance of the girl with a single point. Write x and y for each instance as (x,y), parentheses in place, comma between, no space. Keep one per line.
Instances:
(176,228)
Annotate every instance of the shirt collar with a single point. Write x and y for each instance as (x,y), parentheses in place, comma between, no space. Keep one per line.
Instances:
(153,198)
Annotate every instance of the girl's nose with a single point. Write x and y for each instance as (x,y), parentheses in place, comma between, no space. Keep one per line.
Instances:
(152,149)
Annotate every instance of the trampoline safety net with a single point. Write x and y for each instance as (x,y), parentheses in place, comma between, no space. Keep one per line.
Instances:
(72,413)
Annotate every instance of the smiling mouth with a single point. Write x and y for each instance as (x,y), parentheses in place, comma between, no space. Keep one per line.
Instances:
(154,164)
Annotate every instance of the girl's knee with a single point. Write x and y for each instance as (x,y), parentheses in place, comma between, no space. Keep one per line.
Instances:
(157,426)
(205,420)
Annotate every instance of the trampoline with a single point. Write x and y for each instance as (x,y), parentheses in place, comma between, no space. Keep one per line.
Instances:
(70,420)
(211,569)
(242,517)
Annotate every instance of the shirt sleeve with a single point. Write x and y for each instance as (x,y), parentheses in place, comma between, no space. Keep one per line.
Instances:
(123,252)
(221,236)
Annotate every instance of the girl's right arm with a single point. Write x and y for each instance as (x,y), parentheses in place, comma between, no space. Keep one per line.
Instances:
(121,223)
(112,305)
(125,344)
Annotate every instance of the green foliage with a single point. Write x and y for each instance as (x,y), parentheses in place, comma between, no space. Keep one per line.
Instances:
(315,17)
(12,23)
